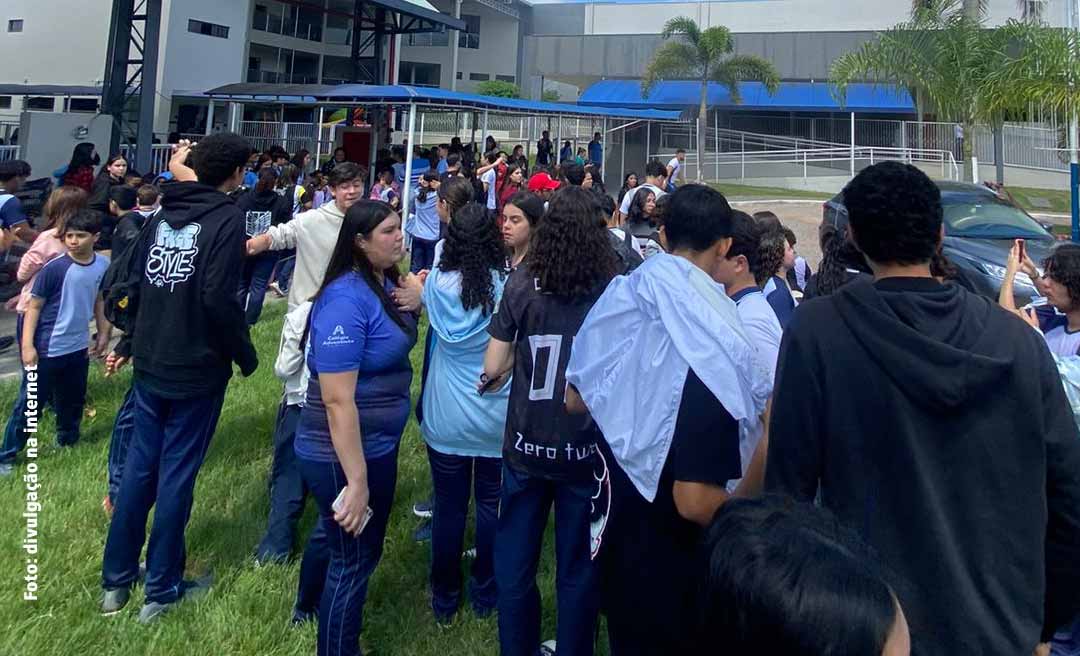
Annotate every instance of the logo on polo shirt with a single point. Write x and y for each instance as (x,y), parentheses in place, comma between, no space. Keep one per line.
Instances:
(338,337)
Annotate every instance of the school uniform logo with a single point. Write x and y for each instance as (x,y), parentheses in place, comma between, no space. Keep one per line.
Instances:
(338,337)
(172,257)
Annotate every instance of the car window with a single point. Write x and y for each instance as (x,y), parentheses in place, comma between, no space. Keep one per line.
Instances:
(985,217)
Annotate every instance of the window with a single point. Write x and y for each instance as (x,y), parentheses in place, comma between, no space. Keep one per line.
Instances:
(470,38)
(459,75)
(479,77)
(5,102)
(209,29)
(506,78)
(430,39)
(39,103)
(295,19)
(81,104)
(422,74)
(15,25)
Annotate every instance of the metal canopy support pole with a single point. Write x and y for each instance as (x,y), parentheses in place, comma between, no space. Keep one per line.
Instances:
(528,138)
(484,128)
(406,190)
(853,144)
(144,140)
(603,151)
(421,141)
(318,138)
(716,135)
(622,154)
(648,141)
(558,143)
(235,115)
(209,118)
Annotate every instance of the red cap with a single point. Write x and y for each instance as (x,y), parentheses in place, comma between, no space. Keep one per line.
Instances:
(542,182)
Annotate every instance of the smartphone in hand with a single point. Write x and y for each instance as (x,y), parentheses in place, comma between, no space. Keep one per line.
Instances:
(1020,245)
(339,502)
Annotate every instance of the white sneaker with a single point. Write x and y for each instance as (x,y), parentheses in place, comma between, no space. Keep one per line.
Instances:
(547,648)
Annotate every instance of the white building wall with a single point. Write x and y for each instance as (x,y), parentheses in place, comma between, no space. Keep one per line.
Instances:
(62,42)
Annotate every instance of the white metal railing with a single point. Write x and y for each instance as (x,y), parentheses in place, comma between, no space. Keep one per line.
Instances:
(159,156)
(810,162)
(8,152)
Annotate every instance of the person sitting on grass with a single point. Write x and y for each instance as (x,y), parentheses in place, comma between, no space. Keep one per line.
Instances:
(53,338)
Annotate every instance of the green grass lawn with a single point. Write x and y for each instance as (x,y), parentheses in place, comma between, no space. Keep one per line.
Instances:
(1051,201)
(247,609)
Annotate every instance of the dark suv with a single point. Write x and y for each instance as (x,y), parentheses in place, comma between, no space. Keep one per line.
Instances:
(980,227)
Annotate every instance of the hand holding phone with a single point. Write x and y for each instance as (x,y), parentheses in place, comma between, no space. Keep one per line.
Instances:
(352,524)
(1020,245)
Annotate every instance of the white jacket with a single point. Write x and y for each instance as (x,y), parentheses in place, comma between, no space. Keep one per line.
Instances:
(313,234)
(291,365)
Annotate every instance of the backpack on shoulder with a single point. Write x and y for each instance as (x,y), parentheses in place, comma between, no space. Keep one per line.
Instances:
(120,285)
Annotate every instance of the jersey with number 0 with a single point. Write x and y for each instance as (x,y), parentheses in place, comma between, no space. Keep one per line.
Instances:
(541,439)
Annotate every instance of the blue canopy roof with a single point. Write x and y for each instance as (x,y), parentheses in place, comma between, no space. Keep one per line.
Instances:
(308,94)
(791,97)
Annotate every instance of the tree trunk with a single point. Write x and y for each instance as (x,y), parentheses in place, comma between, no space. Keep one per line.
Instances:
(968,148)
(972,10)
(702,138)
(919,120)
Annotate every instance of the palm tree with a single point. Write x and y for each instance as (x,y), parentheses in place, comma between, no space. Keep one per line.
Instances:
(975,9)
(952,64)
(705,55)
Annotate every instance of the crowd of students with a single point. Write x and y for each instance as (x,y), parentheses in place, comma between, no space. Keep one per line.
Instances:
(741,455)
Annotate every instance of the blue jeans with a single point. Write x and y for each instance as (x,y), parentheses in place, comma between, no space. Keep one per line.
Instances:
(352,559)
(523,513)
(59,381)
(423,255)
(453,476)
(287,490)
(170,442)
(123,429)
(253,283)
(284,270)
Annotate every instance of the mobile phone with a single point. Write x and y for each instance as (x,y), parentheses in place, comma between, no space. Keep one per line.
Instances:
(339,502)
(488,384)
(1020,243)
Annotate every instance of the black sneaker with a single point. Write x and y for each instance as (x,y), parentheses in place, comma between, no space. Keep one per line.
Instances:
(425,509)
(302,616)
(423,532)
(113,601)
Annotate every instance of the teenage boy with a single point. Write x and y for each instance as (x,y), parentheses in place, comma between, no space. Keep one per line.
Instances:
(1059,319)
(13,173)
(671,427)
(596,150)
(189,330)
(935,424)
(127,230)
(123,200)
(53,337)
(655,180)
(675,169)
(444,151)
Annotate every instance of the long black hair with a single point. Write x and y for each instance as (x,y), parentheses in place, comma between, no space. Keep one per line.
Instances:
(474,247)
(360,221)
(838,254)
(637,207)
(569,252)
(781,578)
(104,172)
(422,192)
(456,192)
(531,205)
(83,155)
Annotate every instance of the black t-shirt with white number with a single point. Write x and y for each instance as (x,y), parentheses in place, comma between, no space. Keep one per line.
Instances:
(648,611)
(541,439)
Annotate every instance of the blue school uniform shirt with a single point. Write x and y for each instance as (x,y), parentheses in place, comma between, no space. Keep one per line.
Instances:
(70,290)
(442,166)
(11,211)
(780,298)
(426,223)
(350,331)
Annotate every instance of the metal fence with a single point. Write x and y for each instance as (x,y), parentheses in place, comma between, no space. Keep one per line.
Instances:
(159,156)
(8,152)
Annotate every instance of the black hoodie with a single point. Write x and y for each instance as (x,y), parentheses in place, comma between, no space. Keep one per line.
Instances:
(262,210)
(190,326)
(939,429)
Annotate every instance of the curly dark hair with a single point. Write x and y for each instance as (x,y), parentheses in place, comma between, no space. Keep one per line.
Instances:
(474,247)
(569,252)
(838,255)
(1063,267)
(895,213)
(771,246)
(637,207)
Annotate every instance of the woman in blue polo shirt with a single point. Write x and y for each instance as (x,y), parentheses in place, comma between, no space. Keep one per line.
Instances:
(357,406)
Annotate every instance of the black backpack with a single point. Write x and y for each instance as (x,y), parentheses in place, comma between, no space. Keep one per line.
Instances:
(629,258)
(120,285)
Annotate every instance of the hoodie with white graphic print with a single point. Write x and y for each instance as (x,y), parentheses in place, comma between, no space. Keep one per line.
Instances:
(190,325)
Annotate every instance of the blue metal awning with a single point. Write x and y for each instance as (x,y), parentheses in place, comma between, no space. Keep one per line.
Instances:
(790,97)
(369,94)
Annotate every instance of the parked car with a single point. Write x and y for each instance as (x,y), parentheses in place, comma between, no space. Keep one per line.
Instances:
(980,227)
